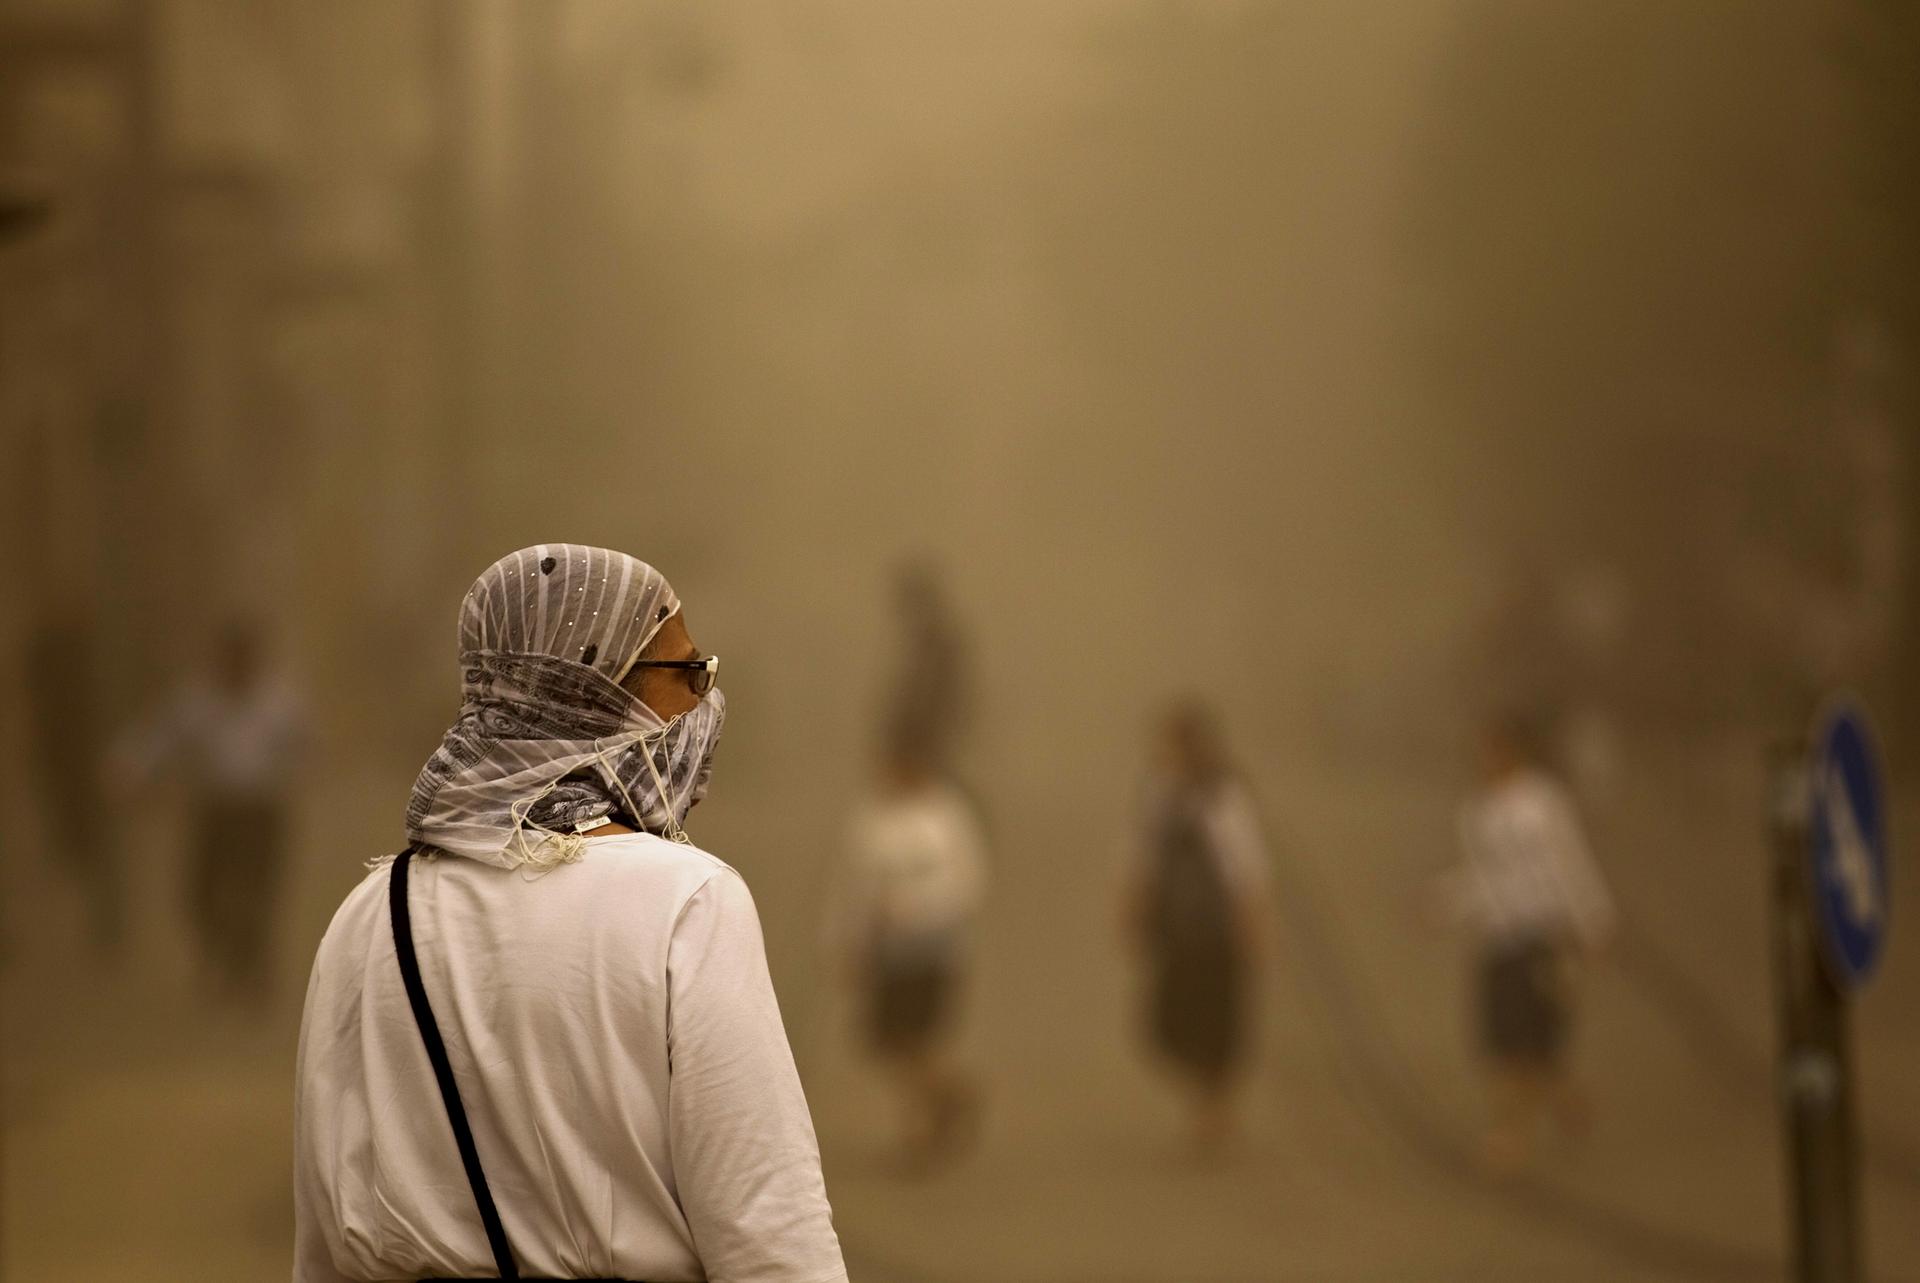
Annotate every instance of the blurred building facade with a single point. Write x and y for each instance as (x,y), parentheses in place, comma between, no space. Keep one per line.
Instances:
(226,354)
(320,283)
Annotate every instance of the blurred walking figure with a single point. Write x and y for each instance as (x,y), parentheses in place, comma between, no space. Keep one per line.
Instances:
(930,699)
(1529,891)
(914,878)
(232,739)
(1196,906)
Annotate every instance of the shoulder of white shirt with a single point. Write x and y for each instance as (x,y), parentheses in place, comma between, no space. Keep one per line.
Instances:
(657,846)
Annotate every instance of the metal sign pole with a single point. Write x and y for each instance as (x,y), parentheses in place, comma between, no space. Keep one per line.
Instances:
(1815,1072)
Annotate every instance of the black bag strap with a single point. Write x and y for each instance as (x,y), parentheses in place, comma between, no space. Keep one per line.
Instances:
(442,1069)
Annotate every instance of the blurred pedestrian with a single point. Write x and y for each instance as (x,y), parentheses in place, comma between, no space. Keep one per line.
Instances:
(930,700)
(1196,906)
(551,996)
(233,738)
(903,912)
(1528,890)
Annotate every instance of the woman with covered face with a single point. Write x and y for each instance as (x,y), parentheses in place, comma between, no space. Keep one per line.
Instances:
(1195,908)
(543,1038)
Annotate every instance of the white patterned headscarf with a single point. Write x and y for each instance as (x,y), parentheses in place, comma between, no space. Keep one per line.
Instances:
(547,741)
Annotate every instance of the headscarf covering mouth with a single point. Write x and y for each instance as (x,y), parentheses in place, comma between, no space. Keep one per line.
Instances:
(546,634)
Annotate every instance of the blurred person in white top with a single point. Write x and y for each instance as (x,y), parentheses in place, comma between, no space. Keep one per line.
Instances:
(903,910)
(601,984)
(234,740)
(1529,893)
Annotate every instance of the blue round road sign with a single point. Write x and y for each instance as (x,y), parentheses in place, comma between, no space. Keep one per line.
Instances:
(1847,844)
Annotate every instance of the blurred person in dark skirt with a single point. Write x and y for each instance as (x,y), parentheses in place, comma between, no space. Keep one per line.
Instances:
(1527,889)
(233,739)
(903,914)
(1196,908)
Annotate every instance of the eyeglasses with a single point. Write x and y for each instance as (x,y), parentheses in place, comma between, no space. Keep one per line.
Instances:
(703,673)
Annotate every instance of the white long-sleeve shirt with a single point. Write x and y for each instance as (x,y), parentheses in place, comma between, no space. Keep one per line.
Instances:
(620,1054)
(1526,869)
